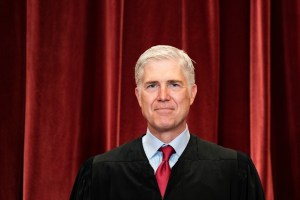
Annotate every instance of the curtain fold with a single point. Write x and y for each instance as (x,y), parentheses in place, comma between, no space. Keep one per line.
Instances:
(12,95)
(54,94)
(234,99)
(67,84)
(285,99)
(260,96)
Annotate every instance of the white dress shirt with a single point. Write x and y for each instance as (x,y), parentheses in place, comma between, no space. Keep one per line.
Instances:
(151,145)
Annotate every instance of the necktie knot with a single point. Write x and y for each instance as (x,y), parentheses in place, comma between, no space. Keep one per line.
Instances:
(167,152)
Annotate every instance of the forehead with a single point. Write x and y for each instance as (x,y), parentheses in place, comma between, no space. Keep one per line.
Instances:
(166,69)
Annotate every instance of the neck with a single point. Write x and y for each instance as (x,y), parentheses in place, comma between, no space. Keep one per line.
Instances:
(167,135)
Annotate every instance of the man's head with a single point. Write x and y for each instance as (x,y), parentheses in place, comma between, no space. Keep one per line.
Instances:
(165,88)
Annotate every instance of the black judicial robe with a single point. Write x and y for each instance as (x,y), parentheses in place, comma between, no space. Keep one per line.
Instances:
(204,171)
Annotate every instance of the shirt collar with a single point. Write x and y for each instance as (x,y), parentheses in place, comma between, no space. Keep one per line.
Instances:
(152,144)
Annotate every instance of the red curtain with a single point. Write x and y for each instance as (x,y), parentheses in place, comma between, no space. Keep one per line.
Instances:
(67,84)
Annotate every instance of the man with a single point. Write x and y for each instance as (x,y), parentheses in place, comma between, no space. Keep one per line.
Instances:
(167,162)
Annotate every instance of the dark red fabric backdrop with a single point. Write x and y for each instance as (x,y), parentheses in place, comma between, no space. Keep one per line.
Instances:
(67,84)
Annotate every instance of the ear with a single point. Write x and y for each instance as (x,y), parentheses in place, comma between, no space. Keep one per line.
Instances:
(193,93)
(138,96)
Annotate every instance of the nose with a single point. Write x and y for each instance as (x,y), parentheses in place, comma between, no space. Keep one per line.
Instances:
(163,94)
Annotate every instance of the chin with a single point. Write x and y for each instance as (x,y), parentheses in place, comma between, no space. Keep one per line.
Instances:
(163,127)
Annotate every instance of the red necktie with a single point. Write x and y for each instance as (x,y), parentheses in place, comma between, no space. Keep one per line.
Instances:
(163,171)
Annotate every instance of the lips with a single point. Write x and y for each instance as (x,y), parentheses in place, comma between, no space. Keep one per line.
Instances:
(164,108)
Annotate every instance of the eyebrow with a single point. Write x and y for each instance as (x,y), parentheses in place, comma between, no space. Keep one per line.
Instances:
(150,82)
(175,81)
(169,81)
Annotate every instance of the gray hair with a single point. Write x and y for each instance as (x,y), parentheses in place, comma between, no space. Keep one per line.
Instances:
(162,52)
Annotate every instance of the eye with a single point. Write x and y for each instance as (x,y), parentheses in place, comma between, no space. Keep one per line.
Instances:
(174,84)
(151,86)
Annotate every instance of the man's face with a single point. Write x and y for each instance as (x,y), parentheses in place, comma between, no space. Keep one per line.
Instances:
(165,96)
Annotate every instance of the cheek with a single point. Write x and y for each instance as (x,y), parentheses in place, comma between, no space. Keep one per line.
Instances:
(147,101)
(183,101)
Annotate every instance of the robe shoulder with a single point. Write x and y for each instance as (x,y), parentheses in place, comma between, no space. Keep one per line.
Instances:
(210,151)
(82,185)
(245,181)
(82,188)
(131,151)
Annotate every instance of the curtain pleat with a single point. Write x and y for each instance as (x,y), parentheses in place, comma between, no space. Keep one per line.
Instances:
(285,98)
(260,88)
(12,95)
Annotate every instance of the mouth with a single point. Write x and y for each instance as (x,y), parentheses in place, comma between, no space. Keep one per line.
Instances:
(164,110)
